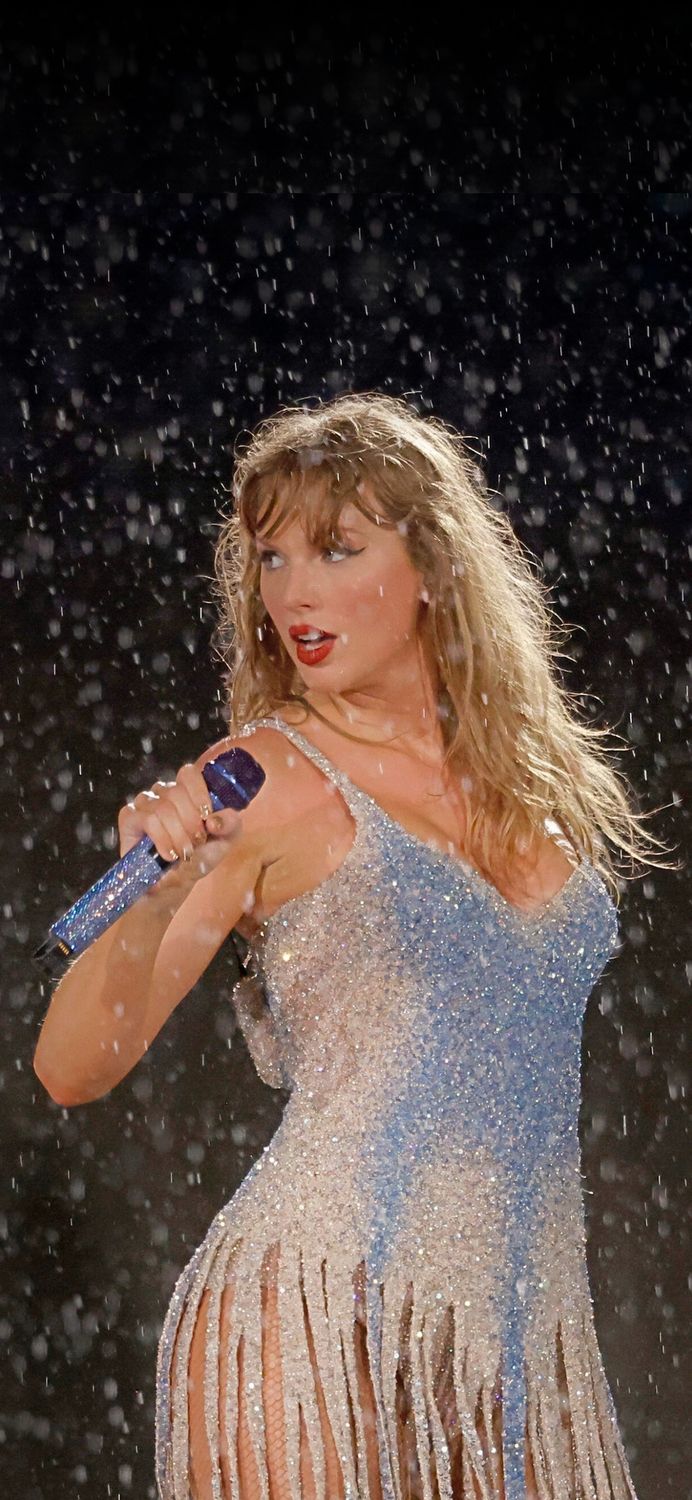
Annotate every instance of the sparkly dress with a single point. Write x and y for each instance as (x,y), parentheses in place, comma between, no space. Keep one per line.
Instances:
(427,1164)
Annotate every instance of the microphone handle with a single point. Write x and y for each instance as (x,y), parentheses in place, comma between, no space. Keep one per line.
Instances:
(140,868)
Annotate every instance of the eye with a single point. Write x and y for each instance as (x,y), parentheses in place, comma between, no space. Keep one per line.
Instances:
(345,551)
(267,552)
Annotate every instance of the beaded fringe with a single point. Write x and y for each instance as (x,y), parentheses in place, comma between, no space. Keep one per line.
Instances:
(450,1430)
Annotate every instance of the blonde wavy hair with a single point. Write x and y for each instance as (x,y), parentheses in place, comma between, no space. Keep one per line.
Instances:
(512,732)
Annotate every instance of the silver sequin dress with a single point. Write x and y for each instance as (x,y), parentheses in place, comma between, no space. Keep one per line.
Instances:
(429,1033)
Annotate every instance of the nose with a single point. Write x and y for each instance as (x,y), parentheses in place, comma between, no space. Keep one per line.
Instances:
(301,586)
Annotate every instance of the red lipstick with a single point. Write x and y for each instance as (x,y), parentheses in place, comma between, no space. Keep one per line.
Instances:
(311,652)
(310,655)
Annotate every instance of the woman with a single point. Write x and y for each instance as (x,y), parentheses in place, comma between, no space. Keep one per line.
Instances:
(395,1302)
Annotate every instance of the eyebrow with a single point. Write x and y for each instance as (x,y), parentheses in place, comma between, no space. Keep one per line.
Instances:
(338,531)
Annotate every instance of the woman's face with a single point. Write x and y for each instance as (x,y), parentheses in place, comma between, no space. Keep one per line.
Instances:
(365,592)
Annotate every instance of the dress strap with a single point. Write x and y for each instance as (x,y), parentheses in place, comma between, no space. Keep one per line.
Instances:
(355,798)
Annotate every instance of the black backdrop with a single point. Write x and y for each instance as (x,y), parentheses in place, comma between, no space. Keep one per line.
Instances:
(154,306)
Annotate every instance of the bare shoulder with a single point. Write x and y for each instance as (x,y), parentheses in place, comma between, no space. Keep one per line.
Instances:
(557,836)
(274,803)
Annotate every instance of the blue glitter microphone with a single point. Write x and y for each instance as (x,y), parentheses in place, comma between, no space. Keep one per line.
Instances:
(232,779)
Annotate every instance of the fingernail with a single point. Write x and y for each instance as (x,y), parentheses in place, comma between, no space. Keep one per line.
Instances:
(216,823)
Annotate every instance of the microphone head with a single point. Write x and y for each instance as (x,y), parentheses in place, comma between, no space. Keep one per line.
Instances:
(235,777)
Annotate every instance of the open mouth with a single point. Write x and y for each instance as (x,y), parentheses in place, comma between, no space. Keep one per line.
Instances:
(308,634)
(312,648)
(314,638)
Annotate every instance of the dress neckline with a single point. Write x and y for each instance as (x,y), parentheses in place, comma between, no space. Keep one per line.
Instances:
(464,871)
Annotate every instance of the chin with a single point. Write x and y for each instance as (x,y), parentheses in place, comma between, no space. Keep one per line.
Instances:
(317,678)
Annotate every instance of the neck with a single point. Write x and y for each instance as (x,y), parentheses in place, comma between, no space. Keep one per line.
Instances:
(373,717)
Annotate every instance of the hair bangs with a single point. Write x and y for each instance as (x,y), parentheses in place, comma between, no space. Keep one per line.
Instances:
(310,486)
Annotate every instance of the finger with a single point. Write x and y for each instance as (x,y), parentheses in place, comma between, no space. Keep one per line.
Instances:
(160,837)
(210,855)
(225,820)
(197,786)
(172,832)
(216,843)
(143,797)
(192,784)
(174,795)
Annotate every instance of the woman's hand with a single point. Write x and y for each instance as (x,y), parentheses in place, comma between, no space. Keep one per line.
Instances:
(177,816)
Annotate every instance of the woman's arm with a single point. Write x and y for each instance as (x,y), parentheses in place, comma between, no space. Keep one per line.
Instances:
(116,996)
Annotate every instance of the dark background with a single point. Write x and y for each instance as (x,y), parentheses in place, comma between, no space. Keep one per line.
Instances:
(194,228)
